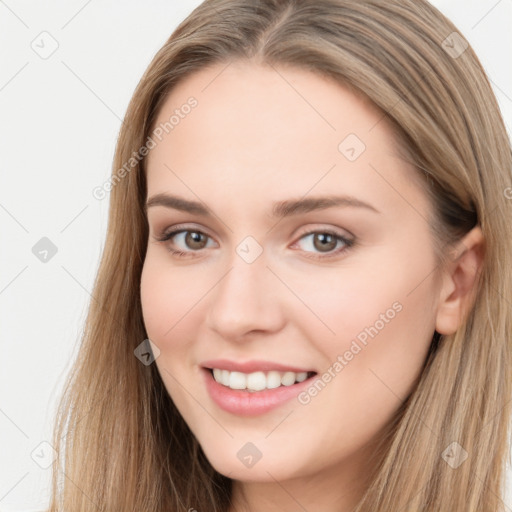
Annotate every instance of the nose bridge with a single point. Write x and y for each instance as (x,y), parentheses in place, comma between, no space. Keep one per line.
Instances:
(243,299)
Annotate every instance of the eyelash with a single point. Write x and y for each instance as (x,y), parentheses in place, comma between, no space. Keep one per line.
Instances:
(348,243)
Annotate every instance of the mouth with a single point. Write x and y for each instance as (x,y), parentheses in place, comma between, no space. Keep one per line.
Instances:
(256,393)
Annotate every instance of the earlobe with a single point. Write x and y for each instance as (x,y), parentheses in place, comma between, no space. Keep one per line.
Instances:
(458,289)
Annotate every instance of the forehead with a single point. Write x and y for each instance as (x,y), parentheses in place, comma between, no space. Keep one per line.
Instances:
(256,127)
(268,98)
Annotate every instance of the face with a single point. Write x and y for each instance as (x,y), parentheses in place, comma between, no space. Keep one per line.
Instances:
(294,258)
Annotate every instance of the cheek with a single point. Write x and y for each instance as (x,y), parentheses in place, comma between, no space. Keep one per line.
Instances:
(167,297)
(375,321)
(156,300)
(382,335)
(343,301)
(169,302)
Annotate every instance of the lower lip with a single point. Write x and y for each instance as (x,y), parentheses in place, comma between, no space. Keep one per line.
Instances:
(247,403)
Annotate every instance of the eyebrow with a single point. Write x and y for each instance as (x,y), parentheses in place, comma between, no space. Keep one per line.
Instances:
(279,210)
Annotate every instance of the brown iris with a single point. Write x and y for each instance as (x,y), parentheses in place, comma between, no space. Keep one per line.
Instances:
(324,241)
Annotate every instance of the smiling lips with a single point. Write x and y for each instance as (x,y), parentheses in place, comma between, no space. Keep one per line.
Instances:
(253,387)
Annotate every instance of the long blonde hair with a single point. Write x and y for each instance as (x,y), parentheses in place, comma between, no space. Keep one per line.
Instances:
(122,444)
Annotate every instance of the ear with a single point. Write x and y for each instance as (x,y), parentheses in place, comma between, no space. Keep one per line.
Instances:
(458,288)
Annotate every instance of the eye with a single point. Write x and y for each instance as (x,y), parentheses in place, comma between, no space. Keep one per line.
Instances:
(324,243)
(187,241)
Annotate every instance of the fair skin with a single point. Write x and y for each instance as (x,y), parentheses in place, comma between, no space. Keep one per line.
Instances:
(257,137)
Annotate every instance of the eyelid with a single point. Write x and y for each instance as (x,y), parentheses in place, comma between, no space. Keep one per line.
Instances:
(177,228)
(322,228)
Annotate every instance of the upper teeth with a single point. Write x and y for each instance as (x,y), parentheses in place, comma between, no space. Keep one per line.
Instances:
(258,380)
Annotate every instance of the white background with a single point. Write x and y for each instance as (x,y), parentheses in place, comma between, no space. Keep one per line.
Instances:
(60,117)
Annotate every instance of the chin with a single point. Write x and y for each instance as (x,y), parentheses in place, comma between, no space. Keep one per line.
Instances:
(263,469)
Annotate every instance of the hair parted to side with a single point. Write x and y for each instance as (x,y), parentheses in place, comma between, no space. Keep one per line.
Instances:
(122,443)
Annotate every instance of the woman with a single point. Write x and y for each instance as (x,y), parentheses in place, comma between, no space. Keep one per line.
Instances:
(304,297)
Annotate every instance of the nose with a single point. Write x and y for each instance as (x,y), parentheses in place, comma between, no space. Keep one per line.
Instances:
(245,301)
